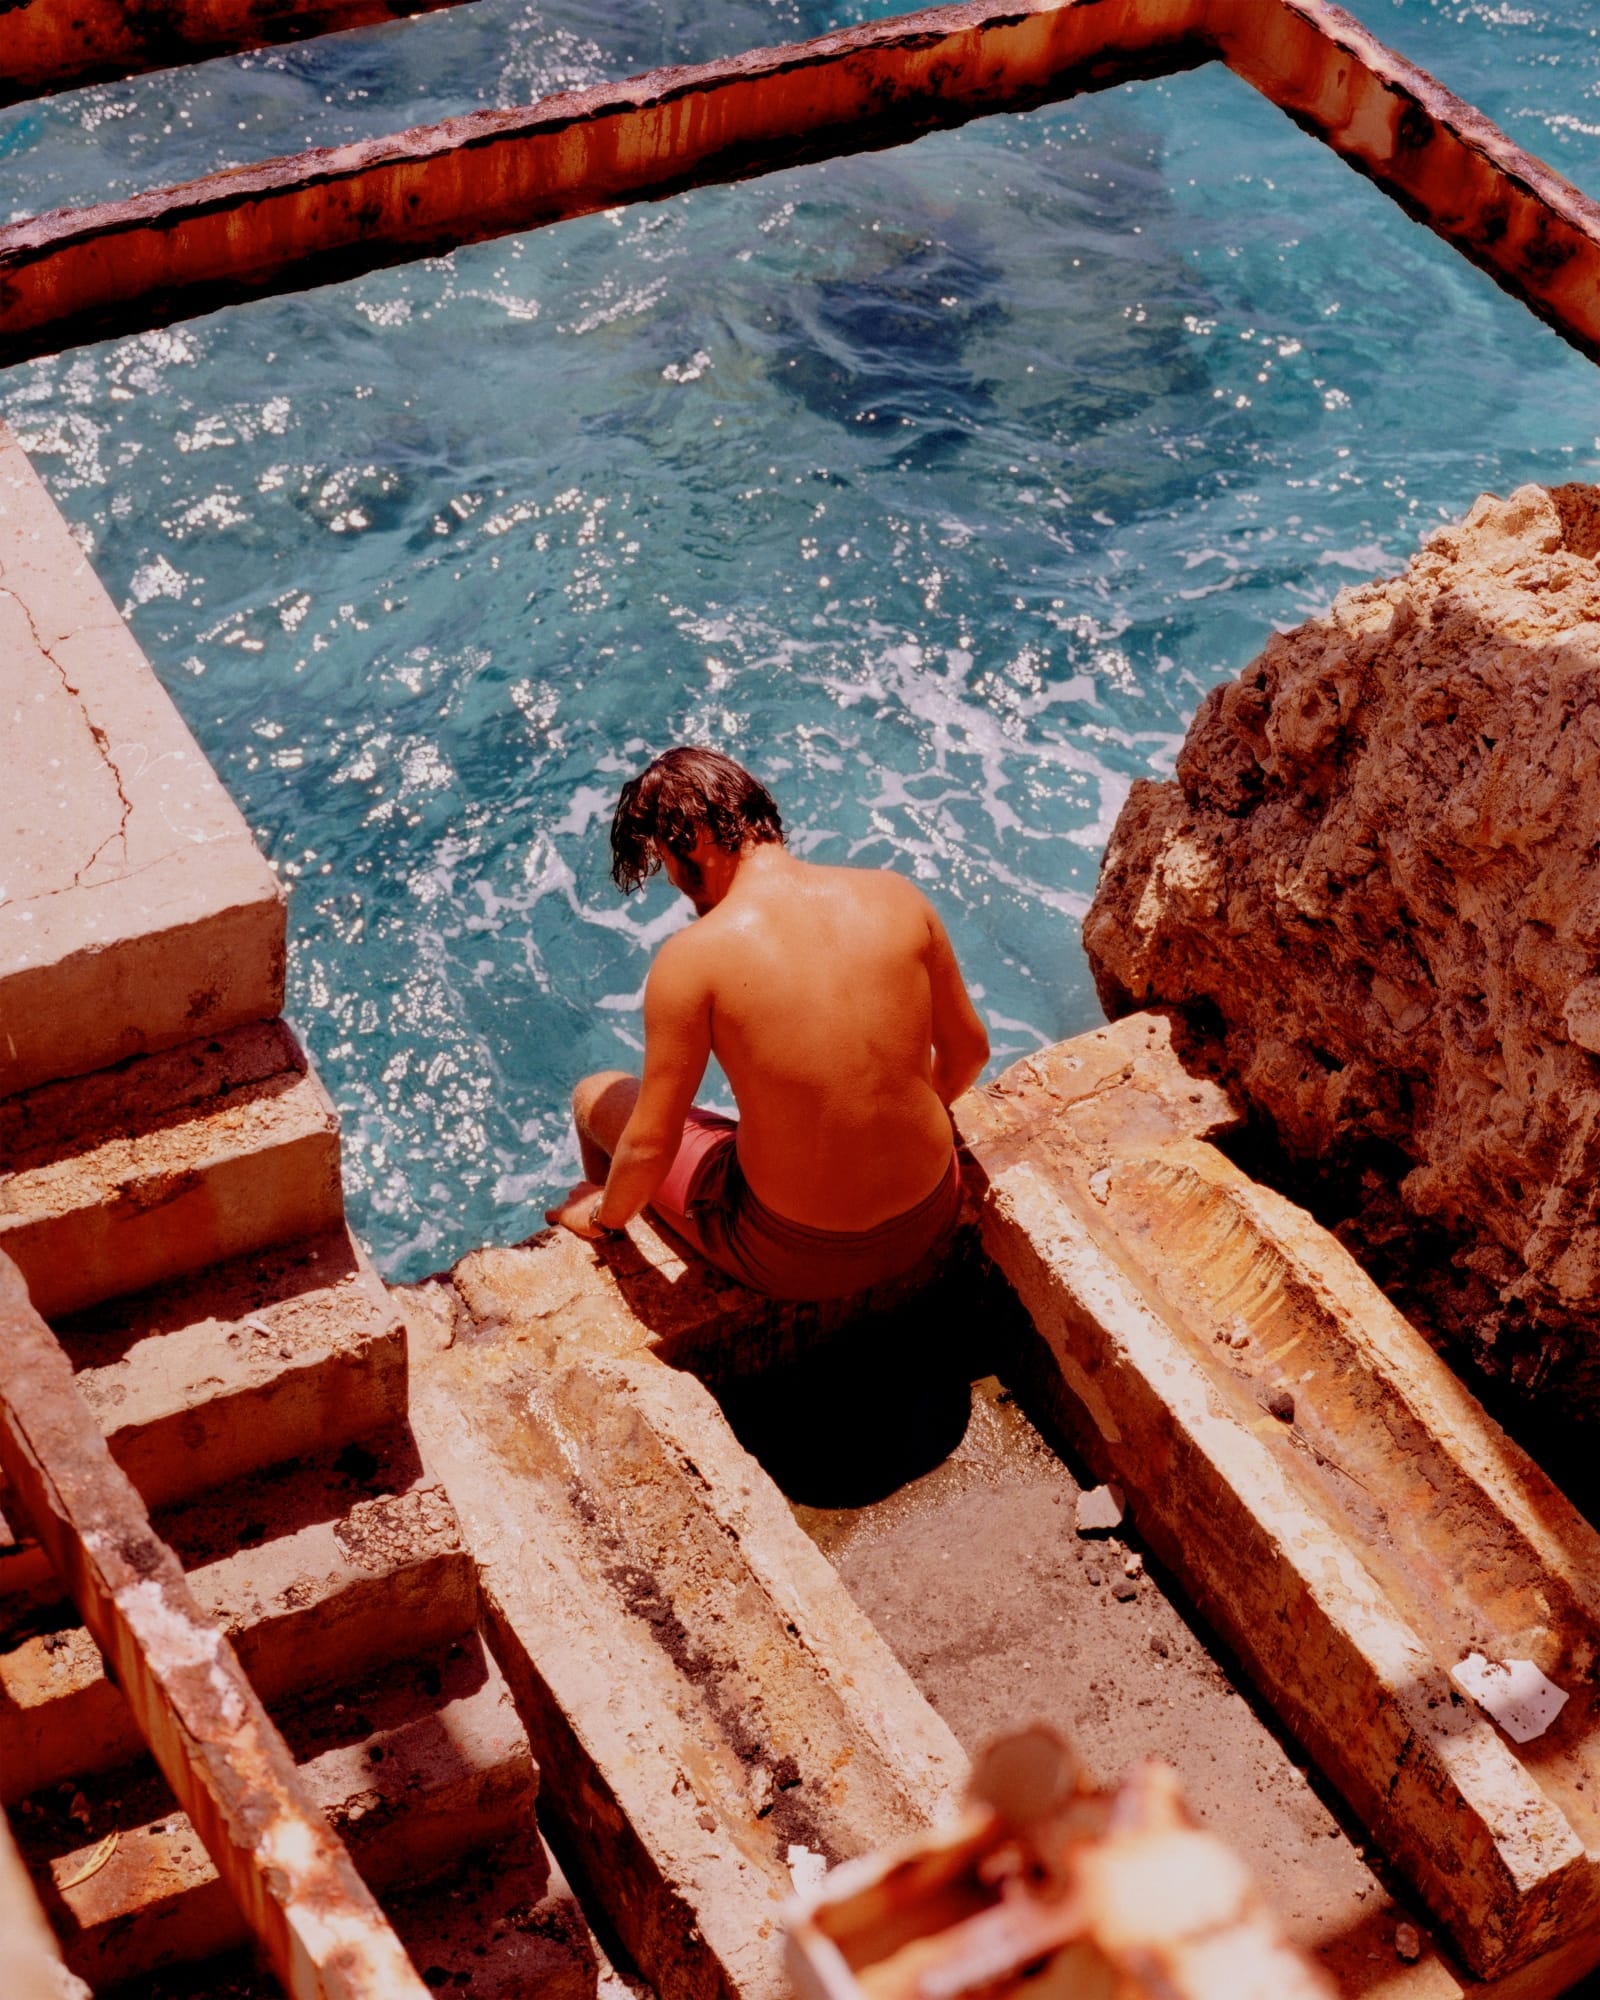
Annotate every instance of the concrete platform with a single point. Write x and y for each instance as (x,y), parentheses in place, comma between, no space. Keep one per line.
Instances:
(703,1698)
(327,1601)
(135,911)
(1331,1496)
(565,1300)
(131,1177)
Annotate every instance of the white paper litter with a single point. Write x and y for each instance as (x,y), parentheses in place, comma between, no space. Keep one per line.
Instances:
(806,1870)
(1514,1692)
(1099,1510)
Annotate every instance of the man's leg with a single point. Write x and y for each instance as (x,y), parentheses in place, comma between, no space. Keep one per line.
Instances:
(601,1105)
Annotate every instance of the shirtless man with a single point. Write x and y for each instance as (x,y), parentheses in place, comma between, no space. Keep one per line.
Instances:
(833,1001)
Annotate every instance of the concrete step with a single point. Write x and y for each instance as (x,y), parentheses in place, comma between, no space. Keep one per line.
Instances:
(702,1695)
(347,1564)
(125,1179)
(269,1357)
(414,1767)
(1331,1495)
(273,1356)
(501,1925)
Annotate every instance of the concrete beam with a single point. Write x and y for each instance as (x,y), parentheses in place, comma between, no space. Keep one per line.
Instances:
(229,1768)
(322,216)
(1334,1499)
(702,1696)
(52,45)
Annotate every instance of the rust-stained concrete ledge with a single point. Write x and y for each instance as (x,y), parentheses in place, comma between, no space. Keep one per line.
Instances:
(229,1768)
(51,45)
(135,911)
(1334,1499)
(330,214)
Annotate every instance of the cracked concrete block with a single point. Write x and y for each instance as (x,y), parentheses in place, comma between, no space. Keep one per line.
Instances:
(1353,1552)
(332,1599)
(701,1692)
(135,911)
(114,1182)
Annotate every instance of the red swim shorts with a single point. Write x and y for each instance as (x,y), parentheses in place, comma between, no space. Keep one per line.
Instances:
(706,1200)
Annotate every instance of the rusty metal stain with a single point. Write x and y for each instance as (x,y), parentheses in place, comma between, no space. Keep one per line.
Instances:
(325,215)
(51,45)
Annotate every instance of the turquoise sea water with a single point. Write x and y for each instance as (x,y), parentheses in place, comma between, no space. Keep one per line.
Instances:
(937,485)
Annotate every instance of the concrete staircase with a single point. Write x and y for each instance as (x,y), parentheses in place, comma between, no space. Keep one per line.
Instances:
(179,1219)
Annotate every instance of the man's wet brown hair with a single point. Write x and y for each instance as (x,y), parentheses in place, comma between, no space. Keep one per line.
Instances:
(685,792)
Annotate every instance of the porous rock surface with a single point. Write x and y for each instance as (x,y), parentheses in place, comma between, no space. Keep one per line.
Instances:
(1372,891)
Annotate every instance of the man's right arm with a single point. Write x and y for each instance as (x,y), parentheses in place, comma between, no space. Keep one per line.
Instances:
(677,1046)
(960,1040)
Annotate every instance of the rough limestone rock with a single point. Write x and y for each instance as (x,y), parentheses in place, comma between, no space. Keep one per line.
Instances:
(1373,893)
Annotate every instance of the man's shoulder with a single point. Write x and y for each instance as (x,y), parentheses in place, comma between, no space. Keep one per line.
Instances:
(682,959)
(883,888)
(682,947)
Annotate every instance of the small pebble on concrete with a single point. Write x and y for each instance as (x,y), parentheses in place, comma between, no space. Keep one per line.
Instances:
(1407,1943)
(1093,1576)
(1124,1590)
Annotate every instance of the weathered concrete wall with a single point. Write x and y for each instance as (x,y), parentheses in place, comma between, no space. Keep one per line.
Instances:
(1372,885)
(135,911)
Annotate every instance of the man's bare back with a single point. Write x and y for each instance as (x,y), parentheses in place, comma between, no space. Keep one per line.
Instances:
(832,999)
(823,993)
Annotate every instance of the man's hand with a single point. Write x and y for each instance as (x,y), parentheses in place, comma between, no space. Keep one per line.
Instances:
(576,1211)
